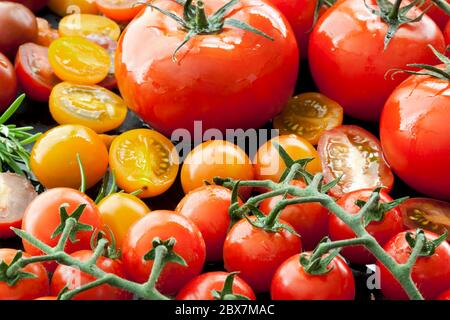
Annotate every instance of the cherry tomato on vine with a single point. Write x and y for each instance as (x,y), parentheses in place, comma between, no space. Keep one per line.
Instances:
(309,115)
(34,72)
(79,60)
(292,282)
(216,158)
(54,157)
(34,5)
(42,217)
(66,276)
(269,165)
(89,105)
(119,212)
(8,80)
(46,33)
(144,159)
(430,274)
(257,253)
(24,289)
(86,24)
(19,26)
(207,207)
(350,40)
(16,192)
(310,220)
(201,287)
(444,295)
(382,231)
(120,10)
(354,155)
(164,225)
(65,7)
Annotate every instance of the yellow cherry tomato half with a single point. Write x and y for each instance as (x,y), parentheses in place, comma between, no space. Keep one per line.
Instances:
(119,212)
(309,115)
(92,106)
(145,160)
(65,7)
(270,166)
(216,158)
(77,60)
(54,157)
(84,25)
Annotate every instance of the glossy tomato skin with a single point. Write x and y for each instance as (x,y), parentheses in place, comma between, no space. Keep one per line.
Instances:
(415,134)
(42,217)
(34,71)
(382,231)
(25,289)
(444,295)
(431,274)
(9,83)
(257,254)
(349,40)
(437,14)
(310,220)
(292,282)
(74,278)
(164,225)
(122,11)
(200,287)
(226,90)
(33,5)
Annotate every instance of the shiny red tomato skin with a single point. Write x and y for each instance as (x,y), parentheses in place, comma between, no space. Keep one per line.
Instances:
(349,40)
(444,295)
(25,289)
(200,287)
(257,254)
(437,14)
(291,282)
(34,71)
(8,80)
(226,90)
(68,276)
(415,135)
(382,231)
(42,217)
(164,225)
(310,220)
(431,274)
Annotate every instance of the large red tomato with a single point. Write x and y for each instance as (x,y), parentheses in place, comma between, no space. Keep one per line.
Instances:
(229,79)
(349,62)
(415,134)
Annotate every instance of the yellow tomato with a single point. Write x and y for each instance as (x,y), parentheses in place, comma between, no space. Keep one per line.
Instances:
(87,24)
(64,7)
(54,157)
(269,165)
(119,212)
(144,159)
(309,115)
(107,139)
(92,106)
(78,60)
(217,158)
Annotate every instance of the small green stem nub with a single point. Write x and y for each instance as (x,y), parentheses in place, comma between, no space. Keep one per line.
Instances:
(200,16)
(395,10)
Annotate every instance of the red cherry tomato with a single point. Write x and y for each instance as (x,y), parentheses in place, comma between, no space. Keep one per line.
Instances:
(354,155)
(164,225)
(415,135)
(226,90)
(42,217)
(24,289)
(34,71)
(46,33)
(444,295)
(257,254)
(349,62)
(208,207)
(310,220)
(437,14)
(9,83)
(200,287)
(72,278)
(122,10)
(292,282)
(431,274)
(382,231)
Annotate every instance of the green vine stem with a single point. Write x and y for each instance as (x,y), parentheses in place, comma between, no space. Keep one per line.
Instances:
(443,5)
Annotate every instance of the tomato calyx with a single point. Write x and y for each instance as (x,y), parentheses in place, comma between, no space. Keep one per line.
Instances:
(110,250)
(76,215)
(227,292)
(195,21)
(11,278)
(170,255)
(429,246)
(318,262)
